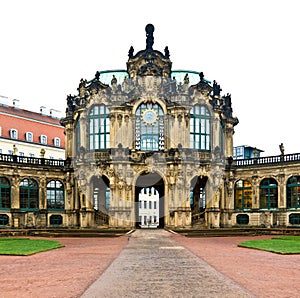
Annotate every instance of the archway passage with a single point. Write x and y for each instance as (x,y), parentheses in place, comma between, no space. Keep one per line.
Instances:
(198,199)
(101,199)
(154,184)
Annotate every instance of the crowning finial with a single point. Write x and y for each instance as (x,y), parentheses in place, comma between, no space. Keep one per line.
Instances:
(149,36)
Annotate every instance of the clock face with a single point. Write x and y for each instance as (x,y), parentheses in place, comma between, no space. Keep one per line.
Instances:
(149,116)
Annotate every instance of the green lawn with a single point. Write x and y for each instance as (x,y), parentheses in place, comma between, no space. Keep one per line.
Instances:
(281,245)
(25,246)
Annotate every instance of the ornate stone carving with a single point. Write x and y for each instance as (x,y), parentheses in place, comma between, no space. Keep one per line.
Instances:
(202,86)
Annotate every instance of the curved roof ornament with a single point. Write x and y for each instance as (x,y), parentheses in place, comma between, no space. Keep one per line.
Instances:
(149,62)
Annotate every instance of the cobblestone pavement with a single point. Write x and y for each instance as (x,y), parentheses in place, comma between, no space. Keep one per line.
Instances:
(153,264)
(59,273)
(265,274)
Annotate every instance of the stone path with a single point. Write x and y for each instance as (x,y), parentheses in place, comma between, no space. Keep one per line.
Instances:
(153,264)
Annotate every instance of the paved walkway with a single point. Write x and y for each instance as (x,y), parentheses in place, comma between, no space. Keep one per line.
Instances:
(155,265)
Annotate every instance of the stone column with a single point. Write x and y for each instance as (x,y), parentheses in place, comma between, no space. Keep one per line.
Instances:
(15,192)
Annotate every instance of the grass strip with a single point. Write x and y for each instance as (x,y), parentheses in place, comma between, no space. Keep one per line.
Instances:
(26,246)
(281,245)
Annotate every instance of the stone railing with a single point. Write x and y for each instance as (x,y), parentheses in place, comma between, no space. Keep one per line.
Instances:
(267,160)
(32,161)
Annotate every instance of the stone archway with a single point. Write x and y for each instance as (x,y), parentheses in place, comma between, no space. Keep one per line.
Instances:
(101,199)
(154,183)
(198,199)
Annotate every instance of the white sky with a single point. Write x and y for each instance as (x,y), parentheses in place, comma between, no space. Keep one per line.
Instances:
(251,48)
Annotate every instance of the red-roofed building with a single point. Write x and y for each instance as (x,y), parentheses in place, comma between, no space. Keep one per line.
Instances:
(26,133)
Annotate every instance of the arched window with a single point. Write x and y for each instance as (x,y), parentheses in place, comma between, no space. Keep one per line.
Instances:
(149,127)
(99,128)
(243,195)
(55,195)
(29,194)
(293,192)
(200,134)
(268,194)
(4,193)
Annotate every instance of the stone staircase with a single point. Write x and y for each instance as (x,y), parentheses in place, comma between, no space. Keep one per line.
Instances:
(229,232)
(59,232)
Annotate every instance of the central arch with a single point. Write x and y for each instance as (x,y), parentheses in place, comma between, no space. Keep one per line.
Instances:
(151,183)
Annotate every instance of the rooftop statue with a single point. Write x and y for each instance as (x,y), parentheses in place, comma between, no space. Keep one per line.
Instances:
(281,148)
(186,79)
(97,75)
(149,36)
(227,105)
(167,52)
(114,80)
(216,89)
(130,52)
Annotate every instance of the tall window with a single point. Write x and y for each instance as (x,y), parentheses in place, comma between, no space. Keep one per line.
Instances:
(149,127)
(77,136)
(293,192)
(200,128)
(55,195)
(243,195)
(29,194)
(221,137)
(268,194)
(99,137)
(4,193)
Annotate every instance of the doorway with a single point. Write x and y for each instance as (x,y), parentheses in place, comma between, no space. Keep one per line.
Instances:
(149,193)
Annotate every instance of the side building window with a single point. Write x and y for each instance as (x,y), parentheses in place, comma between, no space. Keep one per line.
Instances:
(268,194)
(149,127)
(56,142)
(29,194)
(43,139)
(29,136)
(293,192)
(200,131)
(5,190)
(13,133)
(55,195)
(99,128)
(243,195)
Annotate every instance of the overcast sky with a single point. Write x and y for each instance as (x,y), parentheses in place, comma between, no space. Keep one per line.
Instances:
(251,48)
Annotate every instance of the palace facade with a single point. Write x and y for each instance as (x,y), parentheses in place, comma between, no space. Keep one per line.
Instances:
(150,134)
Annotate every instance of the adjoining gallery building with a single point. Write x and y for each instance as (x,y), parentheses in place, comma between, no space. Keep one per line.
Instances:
(150,137)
